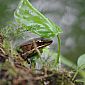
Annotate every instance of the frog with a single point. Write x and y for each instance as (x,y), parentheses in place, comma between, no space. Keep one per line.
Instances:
(30,48)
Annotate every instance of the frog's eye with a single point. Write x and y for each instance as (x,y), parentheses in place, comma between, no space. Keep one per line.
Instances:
(39,41)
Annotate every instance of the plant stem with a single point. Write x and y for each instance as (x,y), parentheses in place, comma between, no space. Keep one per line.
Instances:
(75,75)
(11,53)
(58,55)
(58,37)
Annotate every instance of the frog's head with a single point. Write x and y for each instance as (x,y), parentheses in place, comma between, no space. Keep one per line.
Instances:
(42,42)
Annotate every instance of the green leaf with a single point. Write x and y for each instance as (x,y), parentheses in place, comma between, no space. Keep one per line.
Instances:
(81,61)
(32,20)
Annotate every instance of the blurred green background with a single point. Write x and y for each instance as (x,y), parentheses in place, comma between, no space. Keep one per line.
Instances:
(69,14)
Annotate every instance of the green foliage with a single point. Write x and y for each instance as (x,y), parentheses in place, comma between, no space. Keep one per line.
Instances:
(12,32)
(80,69)
(81,61)
(32,20)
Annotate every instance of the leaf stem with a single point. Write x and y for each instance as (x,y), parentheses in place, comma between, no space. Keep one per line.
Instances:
(58,55)
(58,37)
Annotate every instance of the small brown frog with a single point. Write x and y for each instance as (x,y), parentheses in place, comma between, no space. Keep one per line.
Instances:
(29,48)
